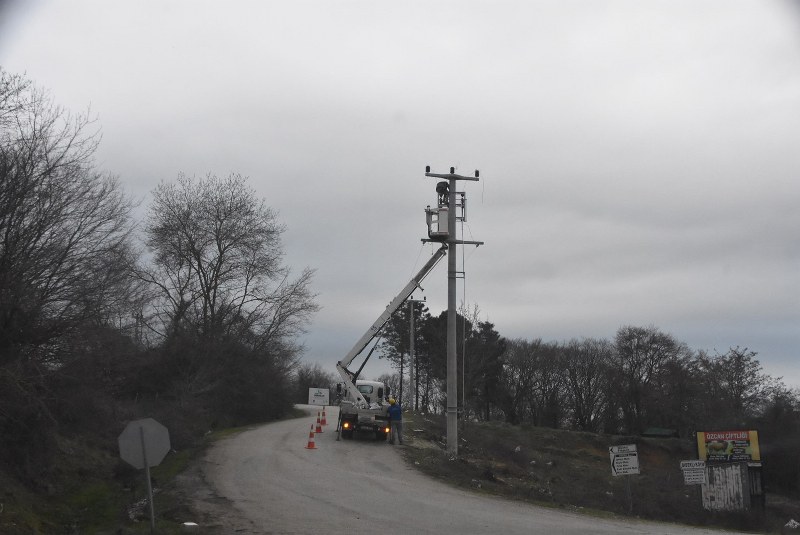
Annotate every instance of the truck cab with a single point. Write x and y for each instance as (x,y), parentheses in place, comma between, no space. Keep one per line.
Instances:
(373,390)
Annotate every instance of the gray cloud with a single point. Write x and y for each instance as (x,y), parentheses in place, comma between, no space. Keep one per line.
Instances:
(638,161)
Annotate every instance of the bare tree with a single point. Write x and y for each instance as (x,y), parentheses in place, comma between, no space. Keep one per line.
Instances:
(736,387)
(534,383)
(65,228)
(586,367)
(65,251)
(549,388)
(308,376)
(15,94)
(642,353)
(519,378)
(217,264)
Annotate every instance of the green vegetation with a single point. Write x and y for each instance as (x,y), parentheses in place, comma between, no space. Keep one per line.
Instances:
(84,497)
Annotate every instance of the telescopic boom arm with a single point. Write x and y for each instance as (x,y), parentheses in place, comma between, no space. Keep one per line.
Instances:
(349,377)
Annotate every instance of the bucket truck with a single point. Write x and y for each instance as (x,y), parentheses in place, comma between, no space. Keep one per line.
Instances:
(365,403)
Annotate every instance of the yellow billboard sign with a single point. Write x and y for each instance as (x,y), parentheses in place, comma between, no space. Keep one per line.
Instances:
(728,446)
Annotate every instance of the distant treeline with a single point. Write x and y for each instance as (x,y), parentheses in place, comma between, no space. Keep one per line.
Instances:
(641,380)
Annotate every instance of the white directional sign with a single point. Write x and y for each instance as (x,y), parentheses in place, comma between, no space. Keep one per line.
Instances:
(624,460)
(694,472)
(318,396)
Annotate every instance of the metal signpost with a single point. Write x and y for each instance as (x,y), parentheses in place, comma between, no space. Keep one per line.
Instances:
(144,443)
(625,462)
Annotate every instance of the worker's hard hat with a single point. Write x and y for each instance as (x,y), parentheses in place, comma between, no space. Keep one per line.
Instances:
(392,401)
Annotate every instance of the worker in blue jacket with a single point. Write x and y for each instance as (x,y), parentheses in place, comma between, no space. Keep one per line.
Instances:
(395,421)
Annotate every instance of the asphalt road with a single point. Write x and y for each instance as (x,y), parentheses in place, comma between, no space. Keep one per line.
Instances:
(361,486)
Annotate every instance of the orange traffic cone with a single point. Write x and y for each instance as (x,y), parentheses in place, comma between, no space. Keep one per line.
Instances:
(311,445)
(319,425)
(324,421)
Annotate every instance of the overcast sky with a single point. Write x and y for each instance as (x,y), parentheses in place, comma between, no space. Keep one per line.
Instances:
(638,160)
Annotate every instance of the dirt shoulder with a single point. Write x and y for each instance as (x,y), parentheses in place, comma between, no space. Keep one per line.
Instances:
(214,513)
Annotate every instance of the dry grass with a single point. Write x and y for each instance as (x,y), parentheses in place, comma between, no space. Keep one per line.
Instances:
(572,470)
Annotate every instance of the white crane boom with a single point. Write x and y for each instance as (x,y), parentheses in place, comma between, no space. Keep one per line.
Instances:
(349,377)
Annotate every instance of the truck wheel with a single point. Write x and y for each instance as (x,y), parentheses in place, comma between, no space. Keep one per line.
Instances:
(380,435)
(347,433)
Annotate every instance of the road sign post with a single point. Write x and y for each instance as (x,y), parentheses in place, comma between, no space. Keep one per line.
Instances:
(144,443)
(625,462)
(147,478)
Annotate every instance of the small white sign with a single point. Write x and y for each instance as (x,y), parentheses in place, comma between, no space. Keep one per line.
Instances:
(318,396)
(624,460)
(694,472)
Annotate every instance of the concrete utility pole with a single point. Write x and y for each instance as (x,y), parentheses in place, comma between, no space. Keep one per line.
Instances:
(452,313)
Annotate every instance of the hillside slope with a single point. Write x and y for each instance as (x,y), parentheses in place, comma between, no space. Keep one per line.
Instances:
(572,470)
